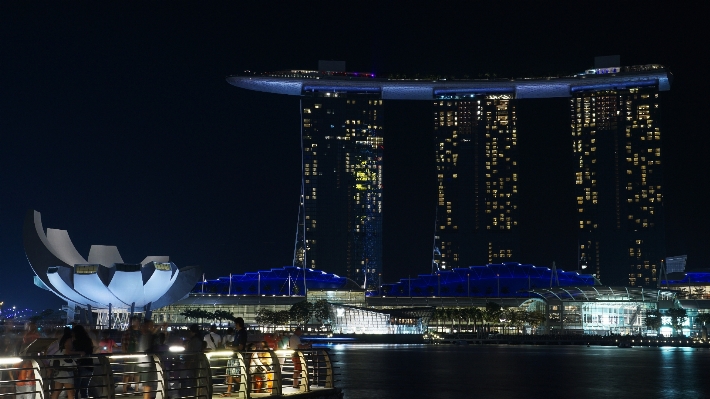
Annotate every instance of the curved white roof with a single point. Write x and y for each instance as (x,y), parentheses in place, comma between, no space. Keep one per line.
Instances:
(105,280)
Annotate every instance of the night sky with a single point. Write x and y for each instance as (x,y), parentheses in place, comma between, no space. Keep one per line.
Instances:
(116,122)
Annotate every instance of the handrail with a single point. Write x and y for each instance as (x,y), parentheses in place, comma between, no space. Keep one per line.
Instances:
(171,375)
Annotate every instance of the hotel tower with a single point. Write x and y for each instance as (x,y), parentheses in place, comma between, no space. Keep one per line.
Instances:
(477,180)
(616,141)
(342,183)
(616,147)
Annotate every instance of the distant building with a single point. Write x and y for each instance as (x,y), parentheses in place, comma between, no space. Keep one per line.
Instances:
(676,264)
(616,139)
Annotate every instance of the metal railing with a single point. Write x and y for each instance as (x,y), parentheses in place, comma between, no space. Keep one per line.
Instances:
(171,375)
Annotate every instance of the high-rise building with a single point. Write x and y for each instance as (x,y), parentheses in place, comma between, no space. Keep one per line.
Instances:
(616,145)
(616,140)
(477,180)
(342,183)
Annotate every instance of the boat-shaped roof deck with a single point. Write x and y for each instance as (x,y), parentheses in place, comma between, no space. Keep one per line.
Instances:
(299,82)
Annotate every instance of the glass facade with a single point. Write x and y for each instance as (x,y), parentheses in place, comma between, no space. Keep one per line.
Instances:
(616,141)
(342,184)
(477,180)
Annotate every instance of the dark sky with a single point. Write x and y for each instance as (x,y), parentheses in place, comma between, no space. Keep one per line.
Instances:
(117,124)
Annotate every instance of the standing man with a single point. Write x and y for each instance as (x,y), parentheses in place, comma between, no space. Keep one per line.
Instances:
(213,339)
(294,343)
(233,367)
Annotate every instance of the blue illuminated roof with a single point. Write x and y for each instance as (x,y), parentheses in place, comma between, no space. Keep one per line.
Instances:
(297,83)
(687,278)
(494,280)
(287,280)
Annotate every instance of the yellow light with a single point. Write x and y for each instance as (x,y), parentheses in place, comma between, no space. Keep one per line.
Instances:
(10,360)
(137,356)
(219,354)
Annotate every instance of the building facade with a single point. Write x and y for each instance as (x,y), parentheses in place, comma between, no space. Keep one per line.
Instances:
(477,180)
(618,173)
(342,184)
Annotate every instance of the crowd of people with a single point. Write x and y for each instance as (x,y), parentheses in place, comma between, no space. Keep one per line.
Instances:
(72,372)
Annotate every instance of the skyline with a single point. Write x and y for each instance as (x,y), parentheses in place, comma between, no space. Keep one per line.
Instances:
(117,124)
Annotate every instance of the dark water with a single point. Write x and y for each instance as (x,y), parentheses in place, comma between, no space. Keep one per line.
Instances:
(502,371)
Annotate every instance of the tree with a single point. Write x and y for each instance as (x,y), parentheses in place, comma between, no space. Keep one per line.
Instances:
(653,320)
(438,316)
(301,311)
(282,317)
(220,315)
(698,292)
(703,319)
(678,317)
(492,312)
(513,316)
(535,319)
(264,317)
(476,314)
(321,310)
(189,314)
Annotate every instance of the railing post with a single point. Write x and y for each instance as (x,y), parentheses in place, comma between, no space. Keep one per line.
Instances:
(160,392)
(203,376)
(328,369)
(108,389)
(244,384)
(304,384)
(277,387)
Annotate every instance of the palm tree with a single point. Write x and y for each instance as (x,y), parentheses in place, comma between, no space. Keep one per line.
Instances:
(653,320)
(678,317)
(492,312)
(535,319)
(476,314)
(703,319)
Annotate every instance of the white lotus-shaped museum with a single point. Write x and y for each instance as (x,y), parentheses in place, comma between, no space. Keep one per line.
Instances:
(103,280)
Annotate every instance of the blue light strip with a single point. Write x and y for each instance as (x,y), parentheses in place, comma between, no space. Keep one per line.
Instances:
(615,86)
(349,89)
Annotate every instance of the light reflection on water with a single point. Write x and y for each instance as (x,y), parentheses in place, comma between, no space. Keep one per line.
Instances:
(503,371)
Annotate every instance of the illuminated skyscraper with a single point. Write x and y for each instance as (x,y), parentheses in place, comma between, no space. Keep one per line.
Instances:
(617,148)
(616,144)
(477,175)
(342,183)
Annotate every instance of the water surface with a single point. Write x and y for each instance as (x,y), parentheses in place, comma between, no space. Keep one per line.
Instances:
(503,371)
